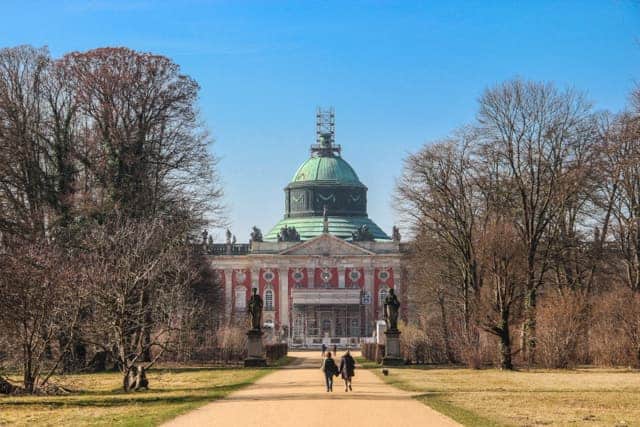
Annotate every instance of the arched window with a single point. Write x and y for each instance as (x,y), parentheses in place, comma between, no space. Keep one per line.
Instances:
(268,299)
(382,295)
(241,298)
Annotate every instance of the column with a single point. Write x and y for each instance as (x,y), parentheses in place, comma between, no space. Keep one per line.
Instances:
(397,280)
(255,280)
(283,306)
(369,310)
(311,277)
(398,285)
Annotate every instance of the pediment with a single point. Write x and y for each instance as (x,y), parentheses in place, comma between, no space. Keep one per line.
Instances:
(326,244)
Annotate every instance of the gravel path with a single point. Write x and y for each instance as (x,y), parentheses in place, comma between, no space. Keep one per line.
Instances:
(295,396)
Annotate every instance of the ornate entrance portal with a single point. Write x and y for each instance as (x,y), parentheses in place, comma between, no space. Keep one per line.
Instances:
(331,324)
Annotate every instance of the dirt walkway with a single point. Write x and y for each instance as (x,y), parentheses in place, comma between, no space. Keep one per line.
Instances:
(295,396)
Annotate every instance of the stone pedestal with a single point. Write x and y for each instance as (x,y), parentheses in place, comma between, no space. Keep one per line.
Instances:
(392,356)
(255,351)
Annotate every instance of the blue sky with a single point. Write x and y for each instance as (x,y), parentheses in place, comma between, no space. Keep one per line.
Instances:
(399,73)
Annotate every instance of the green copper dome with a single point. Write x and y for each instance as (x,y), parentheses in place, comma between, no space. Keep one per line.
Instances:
(325,185)
(330,169)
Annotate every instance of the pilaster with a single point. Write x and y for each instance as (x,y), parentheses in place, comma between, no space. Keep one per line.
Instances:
(311,277)
(255,279)
(283,306)
(228,292)
(369,317)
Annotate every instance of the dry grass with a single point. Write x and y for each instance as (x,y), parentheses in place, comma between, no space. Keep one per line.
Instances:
(593,397)
(99,400)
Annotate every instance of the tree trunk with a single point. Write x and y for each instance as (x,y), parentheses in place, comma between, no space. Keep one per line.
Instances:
(27,378)
(445,331)
(505,345)
(126,383)
(529,327)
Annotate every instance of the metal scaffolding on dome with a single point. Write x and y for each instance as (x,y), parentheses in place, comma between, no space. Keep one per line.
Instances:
(325,145)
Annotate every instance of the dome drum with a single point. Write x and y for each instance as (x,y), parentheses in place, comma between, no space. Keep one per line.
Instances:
(310,200)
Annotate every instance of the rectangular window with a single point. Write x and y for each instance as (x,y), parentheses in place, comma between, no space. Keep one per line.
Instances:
(241,298)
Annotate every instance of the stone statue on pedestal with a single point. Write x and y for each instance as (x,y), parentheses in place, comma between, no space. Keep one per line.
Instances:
(391,307)
(255,349)
(392,352)
(255,310)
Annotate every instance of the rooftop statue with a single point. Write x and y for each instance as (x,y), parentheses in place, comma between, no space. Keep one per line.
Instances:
(256,234)
(288,234)
(362,234)
(228,233)
(395,234)
(391,308)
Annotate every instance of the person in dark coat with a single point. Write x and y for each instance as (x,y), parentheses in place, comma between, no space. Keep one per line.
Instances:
(324,349)
(347,370)
(330,369)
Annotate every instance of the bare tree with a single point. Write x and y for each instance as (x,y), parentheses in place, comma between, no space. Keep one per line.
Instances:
(503,257)
(531,127)
(433,302)
(41,296)
(93,136)
(145,145)
(23,176)
(620,181)
(437,194)
(140,282)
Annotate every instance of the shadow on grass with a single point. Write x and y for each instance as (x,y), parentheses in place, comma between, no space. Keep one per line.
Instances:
(438,402)
(125,399)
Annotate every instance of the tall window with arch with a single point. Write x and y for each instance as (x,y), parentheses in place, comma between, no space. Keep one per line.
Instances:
(268,299)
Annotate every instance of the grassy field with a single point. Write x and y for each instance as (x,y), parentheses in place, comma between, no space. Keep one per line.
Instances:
(590,397)
(99,400)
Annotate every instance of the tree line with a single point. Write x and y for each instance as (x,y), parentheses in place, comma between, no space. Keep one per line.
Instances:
(527,232)
(105,176)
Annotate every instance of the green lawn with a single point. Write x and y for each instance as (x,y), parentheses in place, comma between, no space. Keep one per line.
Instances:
(99,401)
(591,397)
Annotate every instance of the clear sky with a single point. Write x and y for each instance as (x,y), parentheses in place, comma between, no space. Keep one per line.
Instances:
(399,73)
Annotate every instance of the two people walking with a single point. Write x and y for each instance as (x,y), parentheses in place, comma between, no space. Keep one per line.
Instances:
(346,370)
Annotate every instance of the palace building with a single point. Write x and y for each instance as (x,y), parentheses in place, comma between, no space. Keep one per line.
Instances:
(325,268)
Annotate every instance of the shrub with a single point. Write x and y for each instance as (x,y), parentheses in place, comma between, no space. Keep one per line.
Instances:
(562,331)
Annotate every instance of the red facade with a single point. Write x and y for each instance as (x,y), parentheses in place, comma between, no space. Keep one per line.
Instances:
(326,277)
(298,278)
(354,277)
